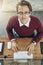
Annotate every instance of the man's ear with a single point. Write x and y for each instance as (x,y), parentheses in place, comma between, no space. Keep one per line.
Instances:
(30,13)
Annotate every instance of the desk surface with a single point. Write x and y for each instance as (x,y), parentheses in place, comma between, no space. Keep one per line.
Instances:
(22,43)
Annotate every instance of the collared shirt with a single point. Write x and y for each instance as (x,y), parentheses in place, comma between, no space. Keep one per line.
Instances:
(27,24)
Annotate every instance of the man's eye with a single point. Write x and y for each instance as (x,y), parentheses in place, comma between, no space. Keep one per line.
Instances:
(27,12)
(20,12)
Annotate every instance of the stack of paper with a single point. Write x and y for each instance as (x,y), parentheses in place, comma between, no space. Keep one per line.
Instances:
(22,55)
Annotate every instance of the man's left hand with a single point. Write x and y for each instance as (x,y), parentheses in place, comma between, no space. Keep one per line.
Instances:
(31,48)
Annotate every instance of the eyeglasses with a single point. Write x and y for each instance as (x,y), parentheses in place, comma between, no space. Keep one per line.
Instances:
(25,13)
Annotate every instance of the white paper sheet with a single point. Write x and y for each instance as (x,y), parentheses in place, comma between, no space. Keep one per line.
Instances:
(22,55)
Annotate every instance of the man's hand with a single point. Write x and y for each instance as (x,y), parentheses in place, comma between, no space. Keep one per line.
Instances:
(30,48)
(15,46)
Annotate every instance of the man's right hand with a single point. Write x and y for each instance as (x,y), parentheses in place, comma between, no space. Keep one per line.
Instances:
(14,46)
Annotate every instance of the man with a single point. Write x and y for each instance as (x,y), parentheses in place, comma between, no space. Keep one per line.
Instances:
(24,25)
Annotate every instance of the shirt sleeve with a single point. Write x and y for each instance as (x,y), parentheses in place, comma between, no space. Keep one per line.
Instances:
(9,29)
(40,32)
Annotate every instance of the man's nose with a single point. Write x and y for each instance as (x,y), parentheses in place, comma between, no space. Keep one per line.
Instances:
(23,16)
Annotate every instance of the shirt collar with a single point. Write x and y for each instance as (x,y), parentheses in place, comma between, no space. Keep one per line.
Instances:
(27,24)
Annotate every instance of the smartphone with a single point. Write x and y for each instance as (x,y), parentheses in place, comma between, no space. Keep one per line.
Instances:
(41,47)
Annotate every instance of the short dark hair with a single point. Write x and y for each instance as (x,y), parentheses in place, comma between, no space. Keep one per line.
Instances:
(26,3)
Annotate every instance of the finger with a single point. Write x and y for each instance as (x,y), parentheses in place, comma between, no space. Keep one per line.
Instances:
(30,51)
(17,48)
(28,48)
(14,48)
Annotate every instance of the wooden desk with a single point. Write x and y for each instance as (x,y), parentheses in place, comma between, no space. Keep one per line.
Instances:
(22,43)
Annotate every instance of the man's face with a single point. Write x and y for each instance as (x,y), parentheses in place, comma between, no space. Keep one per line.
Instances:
(23,13)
